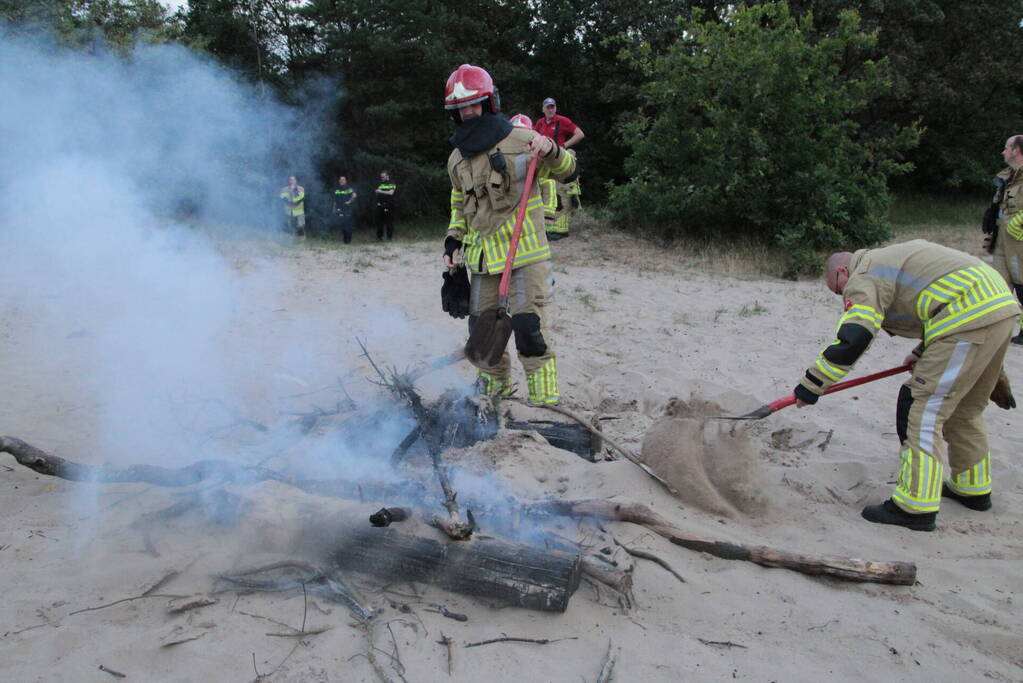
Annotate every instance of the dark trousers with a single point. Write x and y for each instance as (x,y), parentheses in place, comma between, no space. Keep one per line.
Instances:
(343,224)
(385,219)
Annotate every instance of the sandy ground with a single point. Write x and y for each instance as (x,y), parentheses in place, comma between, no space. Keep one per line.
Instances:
(634,327)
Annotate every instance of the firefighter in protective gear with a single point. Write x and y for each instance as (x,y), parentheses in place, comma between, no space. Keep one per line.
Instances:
(293,198)
(567,134)
(964,314)
(1008,251)
(565,202)
(548,186)
(487,169)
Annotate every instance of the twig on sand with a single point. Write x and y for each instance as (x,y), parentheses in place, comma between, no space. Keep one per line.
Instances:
(824,444)
(446,642)
(609,663)
(162,582)
(115,674)
(721,643)
(642,554)
(299,634)
(118,602)
(513,639)
(190,605)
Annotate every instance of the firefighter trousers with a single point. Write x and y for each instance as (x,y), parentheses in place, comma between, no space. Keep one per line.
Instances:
(944,401)
(528,298)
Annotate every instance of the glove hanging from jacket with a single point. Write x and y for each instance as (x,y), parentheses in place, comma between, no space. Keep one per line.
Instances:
(1002,393)
(454,293)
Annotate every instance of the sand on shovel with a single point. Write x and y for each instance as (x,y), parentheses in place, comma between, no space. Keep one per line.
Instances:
(713,465)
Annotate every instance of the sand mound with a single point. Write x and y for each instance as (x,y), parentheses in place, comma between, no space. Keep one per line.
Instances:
(713,464)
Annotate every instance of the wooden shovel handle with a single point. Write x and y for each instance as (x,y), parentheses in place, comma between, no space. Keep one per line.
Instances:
(848,384)
(502,291)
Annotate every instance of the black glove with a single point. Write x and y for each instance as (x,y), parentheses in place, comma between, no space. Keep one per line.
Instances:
(1002,394)
(451,245)
(805,395)
(454,293)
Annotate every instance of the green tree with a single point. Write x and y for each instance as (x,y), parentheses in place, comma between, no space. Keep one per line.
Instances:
(747,128)
(80,22)
(950,71)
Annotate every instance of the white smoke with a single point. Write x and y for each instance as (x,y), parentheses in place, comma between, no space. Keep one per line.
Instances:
(103,158)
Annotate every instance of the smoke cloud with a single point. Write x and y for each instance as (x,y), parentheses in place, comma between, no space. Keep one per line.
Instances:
(108,164)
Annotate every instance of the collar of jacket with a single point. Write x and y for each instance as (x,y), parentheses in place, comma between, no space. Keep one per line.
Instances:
(480,134)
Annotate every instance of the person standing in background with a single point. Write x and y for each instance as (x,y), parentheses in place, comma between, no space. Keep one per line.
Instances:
(293,197)
(385,206)
(344,207)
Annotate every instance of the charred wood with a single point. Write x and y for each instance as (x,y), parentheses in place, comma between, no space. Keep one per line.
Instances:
(503,572)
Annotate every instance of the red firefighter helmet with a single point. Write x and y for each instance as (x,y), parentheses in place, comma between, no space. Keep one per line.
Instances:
(469,84)
(522,121)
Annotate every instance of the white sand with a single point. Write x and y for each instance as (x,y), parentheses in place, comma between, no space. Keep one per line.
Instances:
(634,327)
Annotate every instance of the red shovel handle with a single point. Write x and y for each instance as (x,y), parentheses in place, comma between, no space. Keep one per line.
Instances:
(502,290)
(848,384)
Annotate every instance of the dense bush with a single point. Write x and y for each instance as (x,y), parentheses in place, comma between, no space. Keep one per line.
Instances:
(747,128)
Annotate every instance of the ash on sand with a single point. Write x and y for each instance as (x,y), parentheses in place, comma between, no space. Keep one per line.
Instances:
(713,464)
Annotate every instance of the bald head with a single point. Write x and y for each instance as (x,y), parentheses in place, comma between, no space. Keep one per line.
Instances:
(836,271)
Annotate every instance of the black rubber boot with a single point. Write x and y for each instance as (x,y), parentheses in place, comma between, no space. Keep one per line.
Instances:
(978,503)
(890,513)
(1018,339)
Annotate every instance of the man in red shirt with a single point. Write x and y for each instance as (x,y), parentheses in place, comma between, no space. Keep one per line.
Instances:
(559,128)
(562,130)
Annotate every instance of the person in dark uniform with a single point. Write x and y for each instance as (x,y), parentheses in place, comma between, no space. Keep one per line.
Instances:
(385,206)
(344,207)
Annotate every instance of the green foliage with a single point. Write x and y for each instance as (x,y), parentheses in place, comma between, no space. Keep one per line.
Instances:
(950,72)
(79,23)
(747,129)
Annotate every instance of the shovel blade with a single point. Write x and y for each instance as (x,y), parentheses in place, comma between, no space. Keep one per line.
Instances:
(758,414)
(489,338)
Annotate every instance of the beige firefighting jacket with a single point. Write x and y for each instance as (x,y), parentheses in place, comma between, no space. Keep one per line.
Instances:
(916,289)
(484,202)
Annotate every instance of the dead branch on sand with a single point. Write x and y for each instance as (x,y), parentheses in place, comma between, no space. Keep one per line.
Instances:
(226,472)
(430,428)
(848,568)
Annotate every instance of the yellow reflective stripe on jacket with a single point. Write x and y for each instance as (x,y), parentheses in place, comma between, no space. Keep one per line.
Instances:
(457,221)
(1015,227)
(564,163)
(861,312)
(495,248)
(296,206)
(550,187)
(961,297)
(829,370)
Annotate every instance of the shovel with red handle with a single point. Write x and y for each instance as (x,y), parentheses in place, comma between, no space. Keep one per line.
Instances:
(492,331)
(774,406)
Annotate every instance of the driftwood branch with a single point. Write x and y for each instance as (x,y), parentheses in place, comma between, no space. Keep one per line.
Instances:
(848,568)
(221,470)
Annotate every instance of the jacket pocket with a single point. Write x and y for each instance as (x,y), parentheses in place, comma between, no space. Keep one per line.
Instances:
(500,191)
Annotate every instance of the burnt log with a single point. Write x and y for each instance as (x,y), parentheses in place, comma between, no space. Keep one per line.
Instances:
(499,571)
(569,436)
